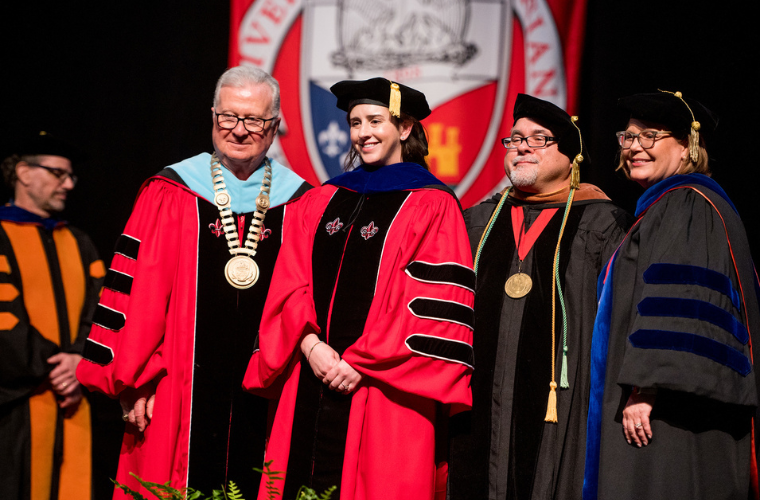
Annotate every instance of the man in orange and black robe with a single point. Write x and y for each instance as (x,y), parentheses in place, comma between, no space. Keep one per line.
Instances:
(50,277)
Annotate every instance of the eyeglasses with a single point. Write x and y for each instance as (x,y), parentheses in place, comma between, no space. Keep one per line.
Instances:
(60,173)
(251,124)
(646,138)
(533,141)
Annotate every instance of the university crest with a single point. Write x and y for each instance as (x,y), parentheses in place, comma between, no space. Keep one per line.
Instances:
(469,57)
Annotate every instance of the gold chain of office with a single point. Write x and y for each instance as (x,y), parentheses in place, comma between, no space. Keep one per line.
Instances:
(241,270)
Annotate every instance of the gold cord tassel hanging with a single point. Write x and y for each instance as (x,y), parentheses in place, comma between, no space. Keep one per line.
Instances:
(575,176)
(694,142)
(694,133)
(551,407)
(394,104)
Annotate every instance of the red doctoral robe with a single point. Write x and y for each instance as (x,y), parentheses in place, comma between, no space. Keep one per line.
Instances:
(168,316)
(414,351)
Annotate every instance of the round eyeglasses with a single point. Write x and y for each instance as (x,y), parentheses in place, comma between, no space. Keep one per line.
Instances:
(228,122)
(533,141)
(646,138)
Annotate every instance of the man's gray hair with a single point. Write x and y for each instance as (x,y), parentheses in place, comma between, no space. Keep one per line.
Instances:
(243,76)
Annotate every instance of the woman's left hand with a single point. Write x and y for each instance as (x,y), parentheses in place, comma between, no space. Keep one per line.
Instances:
(636,426)
(342,378)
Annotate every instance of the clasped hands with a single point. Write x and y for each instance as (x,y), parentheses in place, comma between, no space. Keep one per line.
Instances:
(63,380)
(334,372)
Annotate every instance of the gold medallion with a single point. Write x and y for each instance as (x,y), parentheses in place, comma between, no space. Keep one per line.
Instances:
(518,285)
(221,199)
(262,201)
(241,272)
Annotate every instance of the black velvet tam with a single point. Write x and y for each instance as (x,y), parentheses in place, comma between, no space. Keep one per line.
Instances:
(43,143)
(670,111)
(552,117)
(378,91)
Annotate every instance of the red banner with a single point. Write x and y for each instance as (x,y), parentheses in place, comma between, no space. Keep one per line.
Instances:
(470,57)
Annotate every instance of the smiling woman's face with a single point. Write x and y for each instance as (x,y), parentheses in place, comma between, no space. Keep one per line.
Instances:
(650,166)
(374,135)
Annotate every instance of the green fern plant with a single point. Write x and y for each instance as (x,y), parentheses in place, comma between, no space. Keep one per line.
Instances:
(305,493)
(166,492)
(272,492)
(233,493)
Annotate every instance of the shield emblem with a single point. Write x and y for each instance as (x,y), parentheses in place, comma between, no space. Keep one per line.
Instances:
(469,57)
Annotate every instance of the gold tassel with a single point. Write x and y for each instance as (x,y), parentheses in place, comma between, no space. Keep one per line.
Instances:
(394,104)
(551,407)
(694,134)
(575,176)
(694,142)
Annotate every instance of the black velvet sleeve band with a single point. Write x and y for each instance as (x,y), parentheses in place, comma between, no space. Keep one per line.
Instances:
(97,353)
(127,246)
(118,282)
(437,347)
(442,310)
(445,274)
(109,318)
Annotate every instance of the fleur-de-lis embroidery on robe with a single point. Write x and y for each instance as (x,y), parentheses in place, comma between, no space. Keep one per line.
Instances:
(369,230)
(334,226)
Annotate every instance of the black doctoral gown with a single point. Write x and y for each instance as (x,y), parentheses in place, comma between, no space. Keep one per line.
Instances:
(679,305)
(503,448)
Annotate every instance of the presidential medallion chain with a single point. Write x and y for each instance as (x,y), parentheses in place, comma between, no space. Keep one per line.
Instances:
(241,270)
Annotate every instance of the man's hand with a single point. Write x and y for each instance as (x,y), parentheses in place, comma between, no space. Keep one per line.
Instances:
(71,401)
(137,405)
(63,377)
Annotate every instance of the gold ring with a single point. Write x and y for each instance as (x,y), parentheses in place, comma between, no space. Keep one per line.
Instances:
(63,385)
(125,417)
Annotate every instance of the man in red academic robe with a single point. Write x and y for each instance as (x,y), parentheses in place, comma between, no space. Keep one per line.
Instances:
(178,318)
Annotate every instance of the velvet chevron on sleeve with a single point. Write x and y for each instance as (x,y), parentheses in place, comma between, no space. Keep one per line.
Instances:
(50,277)
(680,308)
(168,317)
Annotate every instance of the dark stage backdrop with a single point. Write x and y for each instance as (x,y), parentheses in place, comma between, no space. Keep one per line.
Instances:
(132,83)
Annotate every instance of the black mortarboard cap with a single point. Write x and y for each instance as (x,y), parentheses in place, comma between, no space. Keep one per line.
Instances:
(43,143)
(381,92)
(670,110)
(552,117)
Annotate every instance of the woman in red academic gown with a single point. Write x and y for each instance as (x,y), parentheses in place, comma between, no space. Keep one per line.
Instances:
(365,343)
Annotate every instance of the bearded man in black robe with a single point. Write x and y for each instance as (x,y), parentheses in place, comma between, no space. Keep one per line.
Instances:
(538,248)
